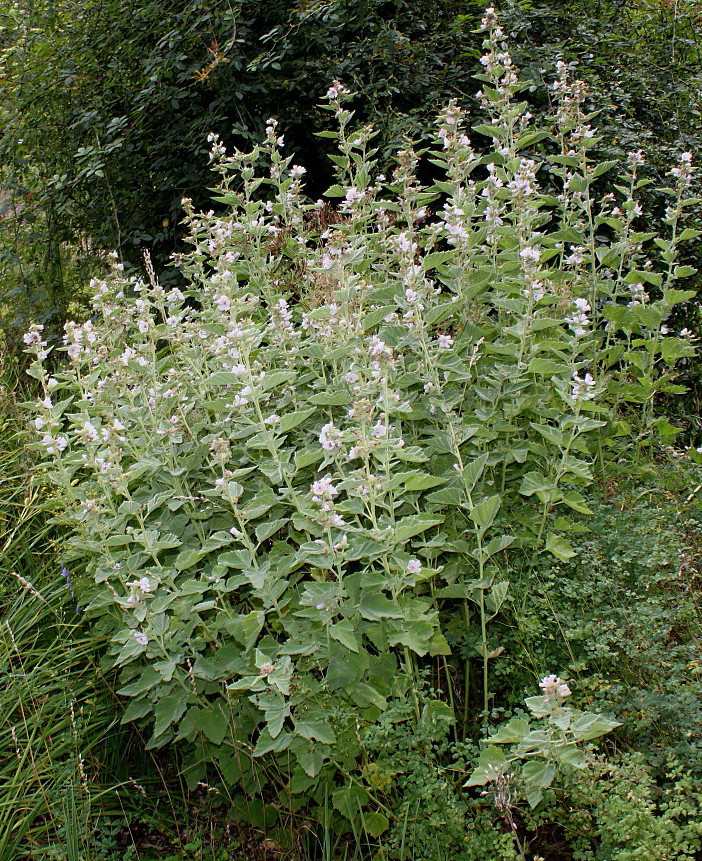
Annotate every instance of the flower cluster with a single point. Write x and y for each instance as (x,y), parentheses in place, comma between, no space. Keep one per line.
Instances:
(554,688)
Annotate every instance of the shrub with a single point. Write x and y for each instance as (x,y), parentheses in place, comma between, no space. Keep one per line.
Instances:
(305,478)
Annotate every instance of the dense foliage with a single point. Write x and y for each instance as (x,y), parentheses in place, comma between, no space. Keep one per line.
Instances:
(106,106)
(351,534)
(306,486)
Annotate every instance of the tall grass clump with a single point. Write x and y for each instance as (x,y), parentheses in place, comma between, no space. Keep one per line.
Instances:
(59,722)
(301,484)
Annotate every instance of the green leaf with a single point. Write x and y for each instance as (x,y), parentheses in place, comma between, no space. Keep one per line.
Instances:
(586,726)
(345,668)
(270,527)
(375,823)
(546,367)
(167,711)
(245,628)
(330,399)
(267,744)
(490,759)
(498,544)
(603,167)
(349,801)
(211,722)
(560,548)
(510,733)
(345,634)
(422,481)
(136,709)
(375,606)
(485,512)
(497,595)
(413,525)
(570,754)
(437,718)
(292,420)
(673,349)
(473,471)
(315,729)
(539,774)
(310,757)
(148,678)
(536,482)
(684,271)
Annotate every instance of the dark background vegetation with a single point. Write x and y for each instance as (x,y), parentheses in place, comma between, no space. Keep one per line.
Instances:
(106,106)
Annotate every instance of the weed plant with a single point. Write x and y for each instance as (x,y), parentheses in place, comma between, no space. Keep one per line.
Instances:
(320,471)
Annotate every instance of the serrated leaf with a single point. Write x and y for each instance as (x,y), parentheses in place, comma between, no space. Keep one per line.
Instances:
(375,823)
(310,757)
(485,512)
(536,482)
(330,399)
(413,525)
(319,730)
(422,481)
(684,271)
(587,727)
(345,634)
(490,759)
(267,744)
(603,167)
(559,546)
(510,733)
(292,420)
(349,801)
(375,606)
(539,774)
(210,722)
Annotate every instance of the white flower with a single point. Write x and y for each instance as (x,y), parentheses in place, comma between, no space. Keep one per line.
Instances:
(583,388)
(323,489)
(222,302)
(379,430)
(636,158)
(576,257)
(141,638)
(445,342)
(530,254)
(414,566)
(32,337)
(353,195)
(338,521)
(39,423)
(90,431)
(579,321)
(329,437)
(403,242)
